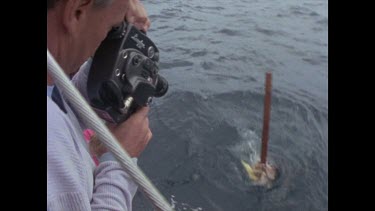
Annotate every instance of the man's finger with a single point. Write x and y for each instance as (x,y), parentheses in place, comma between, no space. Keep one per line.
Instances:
(143,111)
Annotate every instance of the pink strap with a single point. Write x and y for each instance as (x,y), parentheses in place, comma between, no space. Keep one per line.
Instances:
(88,133)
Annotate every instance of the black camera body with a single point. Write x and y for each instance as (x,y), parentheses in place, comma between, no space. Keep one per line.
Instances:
(124,74)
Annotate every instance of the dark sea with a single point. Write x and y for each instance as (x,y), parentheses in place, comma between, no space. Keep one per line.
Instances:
(214,54)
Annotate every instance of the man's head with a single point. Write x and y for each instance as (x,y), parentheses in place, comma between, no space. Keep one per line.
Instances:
(75,28)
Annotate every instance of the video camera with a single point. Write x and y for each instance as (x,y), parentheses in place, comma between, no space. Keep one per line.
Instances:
(124,74)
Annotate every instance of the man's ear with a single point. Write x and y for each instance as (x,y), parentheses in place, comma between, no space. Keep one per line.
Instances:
(74,13)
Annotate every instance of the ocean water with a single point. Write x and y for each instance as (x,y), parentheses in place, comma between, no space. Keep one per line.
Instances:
(214,54)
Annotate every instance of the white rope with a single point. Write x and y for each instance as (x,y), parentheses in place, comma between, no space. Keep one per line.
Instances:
(93,121)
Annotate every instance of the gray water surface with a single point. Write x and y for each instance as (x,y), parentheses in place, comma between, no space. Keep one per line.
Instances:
(214,54)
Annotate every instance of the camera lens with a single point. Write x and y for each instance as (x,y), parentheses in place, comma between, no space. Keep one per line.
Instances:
(161,87)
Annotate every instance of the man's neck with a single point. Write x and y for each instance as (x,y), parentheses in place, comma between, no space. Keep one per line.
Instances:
(56,42)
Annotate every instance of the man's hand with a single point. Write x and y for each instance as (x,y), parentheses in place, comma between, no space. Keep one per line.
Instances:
(137,16)
(133,134)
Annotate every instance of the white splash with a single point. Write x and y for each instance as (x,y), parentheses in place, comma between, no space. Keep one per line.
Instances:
(179,206)
(249,146)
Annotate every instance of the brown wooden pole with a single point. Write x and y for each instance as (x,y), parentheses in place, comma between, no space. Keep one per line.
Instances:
(266,117)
